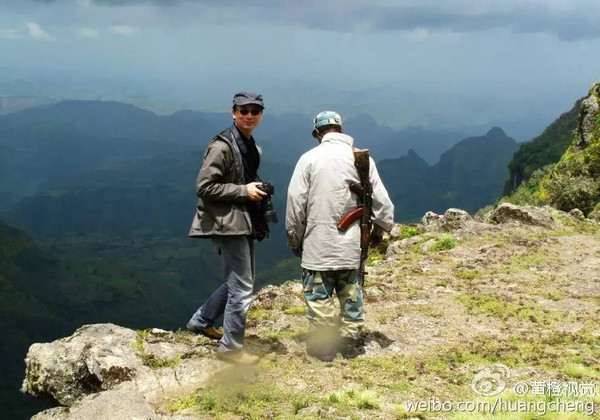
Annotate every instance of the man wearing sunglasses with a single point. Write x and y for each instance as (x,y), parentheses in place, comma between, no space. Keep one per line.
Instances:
(227,211)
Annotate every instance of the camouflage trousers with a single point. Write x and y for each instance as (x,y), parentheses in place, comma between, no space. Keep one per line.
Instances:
(318,295)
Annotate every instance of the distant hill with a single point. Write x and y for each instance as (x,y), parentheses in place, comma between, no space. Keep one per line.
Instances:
(385,142)
(402,177)
(46,147)
(468,176)
(546,148)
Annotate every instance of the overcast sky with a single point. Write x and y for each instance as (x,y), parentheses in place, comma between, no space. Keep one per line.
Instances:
(407,62)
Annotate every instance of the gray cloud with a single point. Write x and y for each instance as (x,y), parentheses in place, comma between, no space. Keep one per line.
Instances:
(568,23)
(566,19)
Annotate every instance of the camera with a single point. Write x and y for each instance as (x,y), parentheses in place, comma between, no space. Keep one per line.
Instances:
(266,204)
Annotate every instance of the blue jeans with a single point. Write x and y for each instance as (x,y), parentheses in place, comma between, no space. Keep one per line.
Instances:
(232,299)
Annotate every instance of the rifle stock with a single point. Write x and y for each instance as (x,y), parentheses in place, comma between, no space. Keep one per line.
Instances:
(350,218)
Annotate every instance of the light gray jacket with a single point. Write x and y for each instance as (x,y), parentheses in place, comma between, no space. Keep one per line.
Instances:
(319,197)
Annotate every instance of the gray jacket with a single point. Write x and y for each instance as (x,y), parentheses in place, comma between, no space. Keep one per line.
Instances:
(221,190)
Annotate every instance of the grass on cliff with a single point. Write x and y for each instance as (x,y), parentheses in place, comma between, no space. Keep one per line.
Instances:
(513,303)
(380,387)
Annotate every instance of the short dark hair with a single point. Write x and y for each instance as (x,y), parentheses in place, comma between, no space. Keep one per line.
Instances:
(328,128)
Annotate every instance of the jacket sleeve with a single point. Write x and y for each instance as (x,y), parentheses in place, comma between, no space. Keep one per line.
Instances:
(297,199)
(383,208)
(210,185)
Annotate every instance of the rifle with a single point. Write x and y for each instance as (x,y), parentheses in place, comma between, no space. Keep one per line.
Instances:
(365,202)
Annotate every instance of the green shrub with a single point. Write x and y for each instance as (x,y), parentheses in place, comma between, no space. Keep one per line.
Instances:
(595,214)
(299,405)
(409,232)
(568,193)
(334,398)
(575,180)
(208,402)
(443,243)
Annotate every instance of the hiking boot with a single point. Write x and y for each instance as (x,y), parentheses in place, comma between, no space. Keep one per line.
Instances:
(210,332)
(351,348)
(238,357)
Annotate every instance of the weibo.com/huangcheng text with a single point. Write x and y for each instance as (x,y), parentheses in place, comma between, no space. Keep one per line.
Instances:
(535,397)
(499,405)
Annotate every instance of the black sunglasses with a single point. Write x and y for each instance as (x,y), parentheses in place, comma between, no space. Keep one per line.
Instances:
(245,111)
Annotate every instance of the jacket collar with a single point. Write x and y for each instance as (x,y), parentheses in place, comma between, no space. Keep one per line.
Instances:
(338,138)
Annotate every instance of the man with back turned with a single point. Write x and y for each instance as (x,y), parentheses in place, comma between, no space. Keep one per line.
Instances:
(321,197)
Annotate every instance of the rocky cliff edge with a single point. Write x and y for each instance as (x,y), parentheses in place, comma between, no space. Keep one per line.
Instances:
(444,299)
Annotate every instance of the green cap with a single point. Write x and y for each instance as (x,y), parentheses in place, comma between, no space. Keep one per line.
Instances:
(327,118)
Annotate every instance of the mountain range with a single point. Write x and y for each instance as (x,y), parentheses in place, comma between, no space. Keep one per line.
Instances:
(470,175)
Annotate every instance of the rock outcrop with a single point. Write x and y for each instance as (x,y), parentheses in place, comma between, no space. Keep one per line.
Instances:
(588,116)
(113,404)
(95,358)
(452,219)
(108,360)
(509,213)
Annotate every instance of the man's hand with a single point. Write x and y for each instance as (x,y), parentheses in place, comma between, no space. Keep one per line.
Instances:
(297,252)
(376,239)
(376,236)
(255,193)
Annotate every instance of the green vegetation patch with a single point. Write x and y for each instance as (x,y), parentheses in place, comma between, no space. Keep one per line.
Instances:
(539,258)
(564,177)
(578,370)
(443,243)
(243,400)
(261,313)
(295,310)
(466,274)
(378,252)
(508,310)
(408,231)
(545,149)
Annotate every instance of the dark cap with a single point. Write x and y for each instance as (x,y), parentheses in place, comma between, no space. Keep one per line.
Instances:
(248,98)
